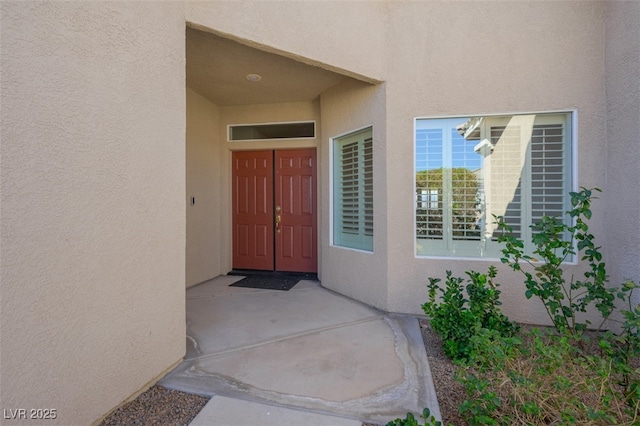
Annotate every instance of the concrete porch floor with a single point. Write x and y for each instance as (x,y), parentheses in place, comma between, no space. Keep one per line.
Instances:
(303,356)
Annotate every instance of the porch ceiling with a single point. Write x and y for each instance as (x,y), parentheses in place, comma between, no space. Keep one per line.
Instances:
(217,68)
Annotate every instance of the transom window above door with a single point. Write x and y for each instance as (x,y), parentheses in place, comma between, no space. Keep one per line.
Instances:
(272,131)
(468,169)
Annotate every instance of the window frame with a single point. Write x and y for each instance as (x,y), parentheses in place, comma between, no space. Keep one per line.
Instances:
(363,243)
(230,128)
(571,174)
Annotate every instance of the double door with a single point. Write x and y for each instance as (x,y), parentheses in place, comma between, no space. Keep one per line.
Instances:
(274,210)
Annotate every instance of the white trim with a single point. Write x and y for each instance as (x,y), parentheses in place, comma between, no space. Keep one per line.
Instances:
(415,191)
(331,190)
(352,249)
(574,149)
(332,141)
(229,126)
(480,259)
(432,257)
(358,130)
(572,173)
(551,111)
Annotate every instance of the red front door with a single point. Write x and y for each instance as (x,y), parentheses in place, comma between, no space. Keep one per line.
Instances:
(253,210)
(274,210)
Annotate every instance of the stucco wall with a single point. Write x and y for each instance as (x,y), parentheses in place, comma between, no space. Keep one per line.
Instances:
(335,35)
(437,59)
(622,192)
(92,203)
(204,175)
(95,168)
(359,274)
(455,58)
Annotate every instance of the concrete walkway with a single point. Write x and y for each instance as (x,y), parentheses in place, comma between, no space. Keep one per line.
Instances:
(305,356)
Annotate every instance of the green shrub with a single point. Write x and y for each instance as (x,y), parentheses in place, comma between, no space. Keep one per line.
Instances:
(458,319)
(545,379)
(555,241)
(564,376)
(410,420)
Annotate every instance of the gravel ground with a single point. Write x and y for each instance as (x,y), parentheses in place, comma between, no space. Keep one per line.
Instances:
(450,393)
(160,406)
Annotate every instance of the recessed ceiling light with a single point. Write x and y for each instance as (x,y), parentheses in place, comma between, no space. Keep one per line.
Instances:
(253,77)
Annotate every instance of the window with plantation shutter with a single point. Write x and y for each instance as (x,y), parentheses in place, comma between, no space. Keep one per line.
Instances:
(548,159)
(353,191)
(350,189)
(517,167)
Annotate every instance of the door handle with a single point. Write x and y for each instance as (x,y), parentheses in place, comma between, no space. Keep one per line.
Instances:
(278,219)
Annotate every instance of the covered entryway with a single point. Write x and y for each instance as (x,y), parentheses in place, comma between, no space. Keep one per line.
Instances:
(275,210)
(233,84)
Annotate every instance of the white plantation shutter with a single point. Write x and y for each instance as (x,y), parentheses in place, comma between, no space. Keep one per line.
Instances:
(505,171)
(548,159)
(353,191)
(429,189)
(350,187)
(529,174)
(466,183)
(525,174)
(368,186)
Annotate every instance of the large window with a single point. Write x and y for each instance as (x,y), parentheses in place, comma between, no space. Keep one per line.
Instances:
(353,190)
(469,169)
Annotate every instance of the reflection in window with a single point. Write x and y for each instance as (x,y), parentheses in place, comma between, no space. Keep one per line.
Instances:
(470,169)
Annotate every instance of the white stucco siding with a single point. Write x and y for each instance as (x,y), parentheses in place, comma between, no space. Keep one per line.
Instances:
(449,58)
(437,59)
(95,171)
(622,190)
(92,203)
(205,230)
(358,274)
(336,35)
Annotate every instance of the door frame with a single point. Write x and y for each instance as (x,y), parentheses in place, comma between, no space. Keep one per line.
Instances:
(277,264)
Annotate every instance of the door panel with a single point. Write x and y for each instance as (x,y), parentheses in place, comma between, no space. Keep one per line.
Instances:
(274,219)
(252,193)
(295,196)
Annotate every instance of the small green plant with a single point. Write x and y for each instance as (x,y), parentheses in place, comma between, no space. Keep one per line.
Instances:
(457,319)
(410,420)
(624,347)
(559,377)
(481,409)
(564,300)
(555,241)
(545,379)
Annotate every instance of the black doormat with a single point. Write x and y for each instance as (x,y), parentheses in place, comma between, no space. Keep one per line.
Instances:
(267,282)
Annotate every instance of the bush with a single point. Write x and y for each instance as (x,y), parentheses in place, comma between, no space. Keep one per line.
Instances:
(545,379)
(555,241)
(564,376)
(410,420)
(458,319)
